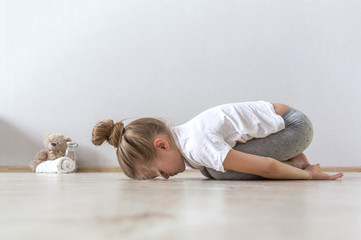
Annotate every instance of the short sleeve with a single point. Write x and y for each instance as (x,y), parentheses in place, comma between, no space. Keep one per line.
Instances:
(210,150)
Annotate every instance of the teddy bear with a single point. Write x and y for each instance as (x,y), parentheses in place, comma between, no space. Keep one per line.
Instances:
(55,147)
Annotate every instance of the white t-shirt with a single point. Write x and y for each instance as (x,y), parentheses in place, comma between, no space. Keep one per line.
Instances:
(205,140)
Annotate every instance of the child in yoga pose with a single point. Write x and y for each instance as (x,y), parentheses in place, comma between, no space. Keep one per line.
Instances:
(248,140)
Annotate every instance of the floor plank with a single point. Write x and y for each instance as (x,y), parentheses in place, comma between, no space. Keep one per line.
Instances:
(188,206)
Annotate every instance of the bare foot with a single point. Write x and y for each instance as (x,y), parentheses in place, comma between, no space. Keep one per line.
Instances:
(300,161)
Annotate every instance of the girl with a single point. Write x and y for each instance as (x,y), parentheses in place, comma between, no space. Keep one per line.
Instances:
(249,140)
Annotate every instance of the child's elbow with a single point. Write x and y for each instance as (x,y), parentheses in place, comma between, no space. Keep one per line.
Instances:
(271,168)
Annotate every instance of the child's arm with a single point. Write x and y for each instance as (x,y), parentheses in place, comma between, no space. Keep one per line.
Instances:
(271,168)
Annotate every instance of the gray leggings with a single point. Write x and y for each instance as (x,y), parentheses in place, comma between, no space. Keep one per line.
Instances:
(283,145)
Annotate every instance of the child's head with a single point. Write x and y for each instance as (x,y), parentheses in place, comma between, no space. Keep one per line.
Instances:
(145,147)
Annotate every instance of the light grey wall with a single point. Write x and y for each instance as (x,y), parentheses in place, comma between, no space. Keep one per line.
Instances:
(64,65)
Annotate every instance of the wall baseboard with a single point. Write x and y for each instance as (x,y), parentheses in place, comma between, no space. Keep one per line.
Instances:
(84,169)
(80,169)
(341,169)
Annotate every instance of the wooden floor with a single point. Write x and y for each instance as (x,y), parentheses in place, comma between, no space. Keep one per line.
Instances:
(111,206)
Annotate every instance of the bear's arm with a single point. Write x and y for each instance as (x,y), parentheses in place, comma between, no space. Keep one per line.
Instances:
(42,155)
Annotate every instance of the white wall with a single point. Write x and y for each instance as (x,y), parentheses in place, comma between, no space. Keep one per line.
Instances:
(64,65)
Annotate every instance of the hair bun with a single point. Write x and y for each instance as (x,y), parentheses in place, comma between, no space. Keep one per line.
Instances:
(107,131)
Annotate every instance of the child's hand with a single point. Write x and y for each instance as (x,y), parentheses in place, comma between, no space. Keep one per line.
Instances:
(316,173)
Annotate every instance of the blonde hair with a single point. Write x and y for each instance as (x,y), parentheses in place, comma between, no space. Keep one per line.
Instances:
(133,142)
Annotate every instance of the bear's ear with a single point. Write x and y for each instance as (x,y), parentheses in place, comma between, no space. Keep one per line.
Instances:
(46,136)
(68,139)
